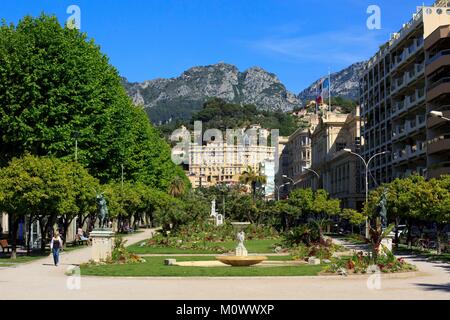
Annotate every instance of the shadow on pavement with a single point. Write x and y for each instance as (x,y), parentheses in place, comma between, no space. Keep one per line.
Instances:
(435,287)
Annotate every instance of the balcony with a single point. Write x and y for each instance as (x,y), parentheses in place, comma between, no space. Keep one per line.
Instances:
(438,88)
(439,60)
(440,144)
(398,132)
(433,122)
(439,170)
(409,103)
(407,53)
(399,156)
(415,72)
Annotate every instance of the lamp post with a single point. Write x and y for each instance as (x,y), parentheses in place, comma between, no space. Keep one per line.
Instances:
(286,177)
(367,164)
(315,172)
(278,188)
(438,114)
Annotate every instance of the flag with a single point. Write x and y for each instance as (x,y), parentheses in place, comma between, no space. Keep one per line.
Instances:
(325,89)
(319,98)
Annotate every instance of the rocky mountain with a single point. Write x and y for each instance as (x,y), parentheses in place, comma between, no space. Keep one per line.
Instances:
(344,83)
(180,97)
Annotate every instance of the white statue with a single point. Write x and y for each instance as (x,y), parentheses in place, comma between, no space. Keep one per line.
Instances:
(241,237)
(241,251)
(213,208)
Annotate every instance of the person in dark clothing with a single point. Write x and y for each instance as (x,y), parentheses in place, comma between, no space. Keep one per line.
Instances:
(55,246)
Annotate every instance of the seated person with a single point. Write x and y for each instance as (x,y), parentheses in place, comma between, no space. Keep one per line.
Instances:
(81,236)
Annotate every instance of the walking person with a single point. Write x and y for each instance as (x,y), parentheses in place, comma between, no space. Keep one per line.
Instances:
(55,246)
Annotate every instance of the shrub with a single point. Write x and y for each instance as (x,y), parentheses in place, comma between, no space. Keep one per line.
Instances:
(300,251)
(306,234)
(120,254)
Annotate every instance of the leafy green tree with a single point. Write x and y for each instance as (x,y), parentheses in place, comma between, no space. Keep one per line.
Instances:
(438,205)
(43,189)
(56,85)
(353,217)
(317,206)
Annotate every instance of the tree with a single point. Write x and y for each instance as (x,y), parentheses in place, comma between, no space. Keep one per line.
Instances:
(353,217)
(317,206)
(252,178)
(177,187)
(438,205)
(55,83)
(43,189)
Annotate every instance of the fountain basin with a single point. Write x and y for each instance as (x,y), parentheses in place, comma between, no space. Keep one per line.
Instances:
(236,261)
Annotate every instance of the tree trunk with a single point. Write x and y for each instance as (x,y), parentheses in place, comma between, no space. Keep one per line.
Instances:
(30,221)
(438,238)
(409,226)
(14,238)
(43,233)
(397,240)
(66,224)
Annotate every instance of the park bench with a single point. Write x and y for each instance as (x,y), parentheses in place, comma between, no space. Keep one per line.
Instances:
(5,246)
(78,241)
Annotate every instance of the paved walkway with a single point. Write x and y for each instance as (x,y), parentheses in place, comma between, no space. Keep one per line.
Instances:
(41,280)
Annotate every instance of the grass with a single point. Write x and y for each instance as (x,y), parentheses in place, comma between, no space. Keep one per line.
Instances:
(22,257)
(352,239)
(154,267)
(431,256)
(253,246)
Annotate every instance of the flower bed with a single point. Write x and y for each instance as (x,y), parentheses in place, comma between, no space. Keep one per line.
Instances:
(362,264)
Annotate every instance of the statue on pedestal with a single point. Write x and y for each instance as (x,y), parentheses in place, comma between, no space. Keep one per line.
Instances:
(102,210)
(241,251)
(382,212)
(213,208)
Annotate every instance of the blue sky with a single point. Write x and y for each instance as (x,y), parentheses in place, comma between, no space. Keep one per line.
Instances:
(299,40)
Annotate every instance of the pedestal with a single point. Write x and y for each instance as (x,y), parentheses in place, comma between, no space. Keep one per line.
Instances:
(387,243)
(102,244)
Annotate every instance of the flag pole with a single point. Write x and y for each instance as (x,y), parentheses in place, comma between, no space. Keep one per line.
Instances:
(329,88)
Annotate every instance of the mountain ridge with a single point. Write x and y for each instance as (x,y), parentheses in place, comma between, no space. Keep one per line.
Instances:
(177,98)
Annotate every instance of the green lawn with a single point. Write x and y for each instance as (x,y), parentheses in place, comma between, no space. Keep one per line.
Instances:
(404,250)
(352,239)
(22,258)
(253,246)
(154,267)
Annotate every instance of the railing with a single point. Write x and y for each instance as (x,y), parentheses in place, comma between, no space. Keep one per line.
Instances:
(440,138)
(438,55)
(439,82)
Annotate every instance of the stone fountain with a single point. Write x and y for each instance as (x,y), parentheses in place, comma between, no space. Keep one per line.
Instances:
(241,257)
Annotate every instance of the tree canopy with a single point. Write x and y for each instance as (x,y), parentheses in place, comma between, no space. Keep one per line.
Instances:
(55,86)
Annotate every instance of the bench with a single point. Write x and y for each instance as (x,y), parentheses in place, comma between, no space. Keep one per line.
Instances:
(5,246)
(82,242)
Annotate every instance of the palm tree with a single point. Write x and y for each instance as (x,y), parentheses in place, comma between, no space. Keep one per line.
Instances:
(177,187)
(252,178)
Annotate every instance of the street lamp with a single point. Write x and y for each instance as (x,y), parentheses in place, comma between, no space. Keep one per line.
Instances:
(438,114)
(367,164)
(278,188)
(315,172)
(286,177)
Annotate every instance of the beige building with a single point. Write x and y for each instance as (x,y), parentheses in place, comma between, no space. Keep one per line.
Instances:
(408,77)
(221,163)
(339,172)
(296,155)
